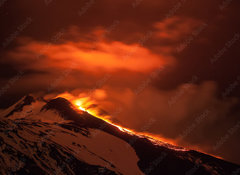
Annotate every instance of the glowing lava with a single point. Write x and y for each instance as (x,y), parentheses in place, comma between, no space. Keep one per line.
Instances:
(85,104)
(79,104)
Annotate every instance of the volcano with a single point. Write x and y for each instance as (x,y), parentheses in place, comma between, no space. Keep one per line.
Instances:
(53,137)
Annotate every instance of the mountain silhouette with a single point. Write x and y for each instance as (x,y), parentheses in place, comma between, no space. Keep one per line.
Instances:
(53,137)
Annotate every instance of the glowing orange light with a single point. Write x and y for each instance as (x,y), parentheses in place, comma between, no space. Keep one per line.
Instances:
(79,104)
(84,104)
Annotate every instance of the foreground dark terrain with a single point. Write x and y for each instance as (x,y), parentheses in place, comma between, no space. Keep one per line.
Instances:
(52,137)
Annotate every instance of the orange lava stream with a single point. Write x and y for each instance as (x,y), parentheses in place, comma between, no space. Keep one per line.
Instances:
(84,104)
(153,138)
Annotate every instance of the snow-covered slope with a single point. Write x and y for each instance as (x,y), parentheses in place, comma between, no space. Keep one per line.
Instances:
(39,137)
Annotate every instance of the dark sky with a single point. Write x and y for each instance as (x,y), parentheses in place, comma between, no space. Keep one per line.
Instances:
(172,62)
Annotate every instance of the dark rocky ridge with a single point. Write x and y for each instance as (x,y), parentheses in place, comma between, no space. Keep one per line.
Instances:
(154,159)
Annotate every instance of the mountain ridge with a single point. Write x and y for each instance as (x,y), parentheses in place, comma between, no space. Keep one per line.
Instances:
(153,158)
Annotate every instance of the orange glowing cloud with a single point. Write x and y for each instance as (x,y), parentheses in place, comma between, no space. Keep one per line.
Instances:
(109,57)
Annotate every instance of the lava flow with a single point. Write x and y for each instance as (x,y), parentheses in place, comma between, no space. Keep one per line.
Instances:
(87,104)
(84,103)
